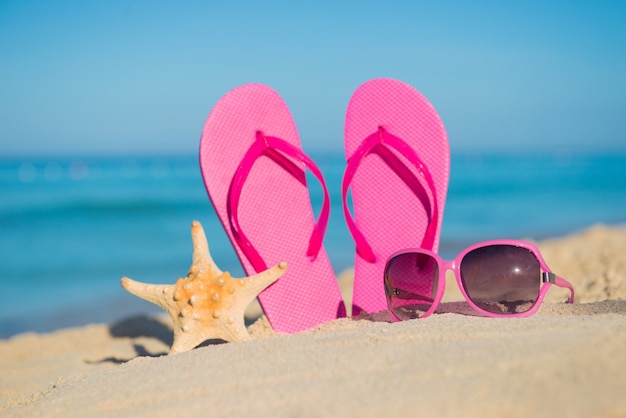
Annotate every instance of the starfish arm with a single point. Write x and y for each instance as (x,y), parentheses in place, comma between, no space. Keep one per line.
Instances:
(184,341)
(233,329)
(229,329)
(160,295)
(249,288)
(201,254)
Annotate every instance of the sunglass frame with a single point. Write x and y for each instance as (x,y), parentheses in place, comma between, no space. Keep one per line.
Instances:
(548,278)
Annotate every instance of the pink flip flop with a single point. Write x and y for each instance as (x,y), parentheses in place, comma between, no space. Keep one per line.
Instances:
(398,165)
(253,168)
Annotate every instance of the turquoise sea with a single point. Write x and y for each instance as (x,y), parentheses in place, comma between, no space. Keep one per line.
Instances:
(71,227)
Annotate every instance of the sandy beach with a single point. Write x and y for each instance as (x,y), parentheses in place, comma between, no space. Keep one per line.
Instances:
(568,360)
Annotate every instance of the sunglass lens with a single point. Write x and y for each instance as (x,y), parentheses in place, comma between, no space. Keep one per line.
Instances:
(411,281)
(501,279)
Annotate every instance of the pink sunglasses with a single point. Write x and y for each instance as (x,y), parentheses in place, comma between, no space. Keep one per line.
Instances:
(503,278)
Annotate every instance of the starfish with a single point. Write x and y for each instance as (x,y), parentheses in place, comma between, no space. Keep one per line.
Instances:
(208,303)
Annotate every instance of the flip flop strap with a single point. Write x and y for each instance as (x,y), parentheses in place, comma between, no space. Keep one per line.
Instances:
(379,143)
(274,148)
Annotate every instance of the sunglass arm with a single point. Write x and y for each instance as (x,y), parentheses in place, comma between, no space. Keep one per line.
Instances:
(549,277)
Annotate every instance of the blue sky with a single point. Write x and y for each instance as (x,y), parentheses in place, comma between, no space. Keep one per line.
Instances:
(116,77)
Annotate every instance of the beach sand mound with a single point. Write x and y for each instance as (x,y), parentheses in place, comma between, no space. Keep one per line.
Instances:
(568,360)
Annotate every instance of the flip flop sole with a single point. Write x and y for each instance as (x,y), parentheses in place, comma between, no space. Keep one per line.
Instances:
(387,212)
(274,208)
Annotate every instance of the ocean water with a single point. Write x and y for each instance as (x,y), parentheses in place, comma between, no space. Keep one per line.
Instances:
(70,228)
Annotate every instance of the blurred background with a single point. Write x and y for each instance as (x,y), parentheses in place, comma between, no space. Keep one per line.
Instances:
(102,105)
